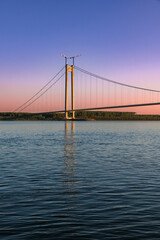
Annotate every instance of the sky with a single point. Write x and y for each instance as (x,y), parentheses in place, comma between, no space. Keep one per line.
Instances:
(118,39)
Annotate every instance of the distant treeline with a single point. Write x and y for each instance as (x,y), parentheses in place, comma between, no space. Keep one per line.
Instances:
(11,116)
(81,115)
(115,116)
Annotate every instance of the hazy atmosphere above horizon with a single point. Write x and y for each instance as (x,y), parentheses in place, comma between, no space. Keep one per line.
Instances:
(118,39)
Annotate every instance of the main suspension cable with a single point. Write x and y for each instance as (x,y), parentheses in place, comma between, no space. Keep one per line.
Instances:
(109,80)
(38,91)
(43,92)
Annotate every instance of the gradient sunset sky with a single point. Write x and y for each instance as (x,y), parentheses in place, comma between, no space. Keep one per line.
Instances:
(118,39)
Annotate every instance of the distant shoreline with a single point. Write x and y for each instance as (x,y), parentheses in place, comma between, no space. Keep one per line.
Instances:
(80,116)
(79,120)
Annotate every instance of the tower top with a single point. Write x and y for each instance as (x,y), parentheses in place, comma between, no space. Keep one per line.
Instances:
(73,57)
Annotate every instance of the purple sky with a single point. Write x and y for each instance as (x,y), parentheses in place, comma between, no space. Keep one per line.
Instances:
(118,39)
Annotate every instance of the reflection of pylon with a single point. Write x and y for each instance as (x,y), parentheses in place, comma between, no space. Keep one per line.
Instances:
(69,69)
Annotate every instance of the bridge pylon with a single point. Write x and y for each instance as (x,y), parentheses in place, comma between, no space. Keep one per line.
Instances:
(69,69)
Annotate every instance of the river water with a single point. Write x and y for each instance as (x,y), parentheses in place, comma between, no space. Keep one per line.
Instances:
(79,180)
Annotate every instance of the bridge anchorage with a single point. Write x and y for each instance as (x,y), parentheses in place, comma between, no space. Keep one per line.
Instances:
(68,69)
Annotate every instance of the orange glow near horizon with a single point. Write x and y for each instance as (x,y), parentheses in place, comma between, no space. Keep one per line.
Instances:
(90,92)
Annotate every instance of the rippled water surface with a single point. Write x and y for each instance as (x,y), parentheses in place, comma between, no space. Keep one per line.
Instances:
(79,180)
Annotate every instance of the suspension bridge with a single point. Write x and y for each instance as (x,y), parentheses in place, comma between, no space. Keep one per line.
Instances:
(73,89)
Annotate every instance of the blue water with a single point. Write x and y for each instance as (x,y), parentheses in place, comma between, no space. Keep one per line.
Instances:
(79,180)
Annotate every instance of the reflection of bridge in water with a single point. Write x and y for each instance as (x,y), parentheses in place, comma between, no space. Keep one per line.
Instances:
(88,91)
(70,180)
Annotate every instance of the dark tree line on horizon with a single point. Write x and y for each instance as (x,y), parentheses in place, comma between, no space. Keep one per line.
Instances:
(81,115)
